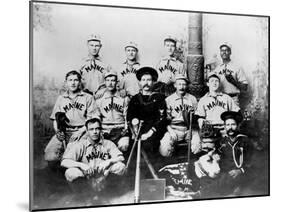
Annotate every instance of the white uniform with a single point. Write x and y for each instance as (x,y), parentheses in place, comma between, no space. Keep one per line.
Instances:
(127,78)
(175,107)
(77,110)
(86,152)
(211,107)
(92,72)
(167,68)
(236,72)
(112,110)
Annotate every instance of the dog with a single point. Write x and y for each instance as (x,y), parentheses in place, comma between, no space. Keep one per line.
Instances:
(184,180)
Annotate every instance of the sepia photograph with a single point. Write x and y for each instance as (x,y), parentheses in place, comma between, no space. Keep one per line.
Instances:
(138,105)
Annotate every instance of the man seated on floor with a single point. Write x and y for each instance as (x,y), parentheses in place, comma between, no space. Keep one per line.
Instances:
(92,159)
(235,150)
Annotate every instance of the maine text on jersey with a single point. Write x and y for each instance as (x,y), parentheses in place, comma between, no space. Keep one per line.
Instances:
(114,106)
(94,67)
(127,71)
(74,105)
(215,103)
(180,108)
(167,67)
(98,154)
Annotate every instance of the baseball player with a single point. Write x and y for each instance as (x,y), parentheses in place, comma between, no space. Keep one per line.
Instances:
(127,72)
(150,107)
(235,151)
(93,68)
(209,109)
(177,129)
(76,106)
(169,65)
(232,77)
(92,159)
(112,109)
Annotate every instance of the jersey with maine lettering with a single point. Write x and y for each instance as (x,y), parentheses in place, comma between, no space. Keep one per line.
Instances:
(176,104)
(111,108)
(127,78)
(92,72)
(168,67)
(87,152)
(77,109)
(211,107)
(237,73)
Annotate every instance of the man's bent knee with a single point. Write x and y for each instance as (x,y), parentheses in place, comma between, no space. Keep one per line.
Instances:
(72,174)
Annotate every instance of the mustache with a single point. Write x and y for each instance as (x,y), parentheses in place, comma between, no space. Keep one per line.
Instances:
(148,86)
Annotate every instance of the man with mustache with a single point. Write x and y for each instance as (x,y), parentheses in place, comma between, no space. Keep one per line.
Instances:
(235,150)
(209,109)
(232,77)
(93,68)
(111,108)
(177,129)
(150,107)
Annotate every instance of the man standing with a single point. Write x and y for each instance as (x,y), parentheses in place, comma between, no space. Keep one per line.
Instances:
(177,103)
(127,72)
(169,65)
(76,106)
(92,159)
(209,109)
(93,68)
(235,150)
(149,107)
(232,77)
(112,109)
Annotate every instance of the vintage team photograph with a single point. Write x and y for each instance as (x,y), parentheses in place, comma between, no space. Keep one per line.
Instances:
(140,105)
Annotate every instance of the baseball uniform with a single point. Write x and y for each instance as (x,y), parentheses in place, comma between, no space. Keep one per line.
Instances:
(237,73)
(77,110)
(211,107)
(112,109)
(168,67)
(175,106)
(127,78)
(94,154)
(92,72)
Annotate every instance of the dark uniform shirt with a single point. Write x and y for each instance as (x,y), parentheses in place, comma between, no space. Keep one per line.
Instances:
(149,108)
(236,153)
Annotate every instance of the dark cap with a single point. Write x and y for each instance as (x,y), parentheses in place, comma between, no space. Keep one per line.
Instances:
(147,70)
(214,75)
(237,116)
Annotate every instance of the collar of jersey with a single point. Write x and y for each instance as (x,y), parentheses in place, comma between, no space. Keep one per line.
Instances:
(169,58)
(217,94)
(89,143)
(90,57)
(66,94)
(108,95)
(222,64)
(178,97)
(135,63)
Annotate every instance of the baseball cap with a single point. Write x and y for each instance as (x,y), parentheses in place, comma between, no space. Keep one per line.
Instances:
(147,70)
(110,73)
(213,75)
(131,44)
(227,44)
(232,115)
(170,38)
(94,37)
(181,76)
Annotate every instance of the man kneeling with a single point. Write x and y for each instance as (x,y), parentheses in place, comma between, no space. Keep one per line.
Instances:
(92,159)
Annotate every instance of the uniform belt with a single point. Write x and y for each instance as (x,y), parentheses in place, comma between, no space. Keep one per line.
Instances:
(182,124)
(233,94)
